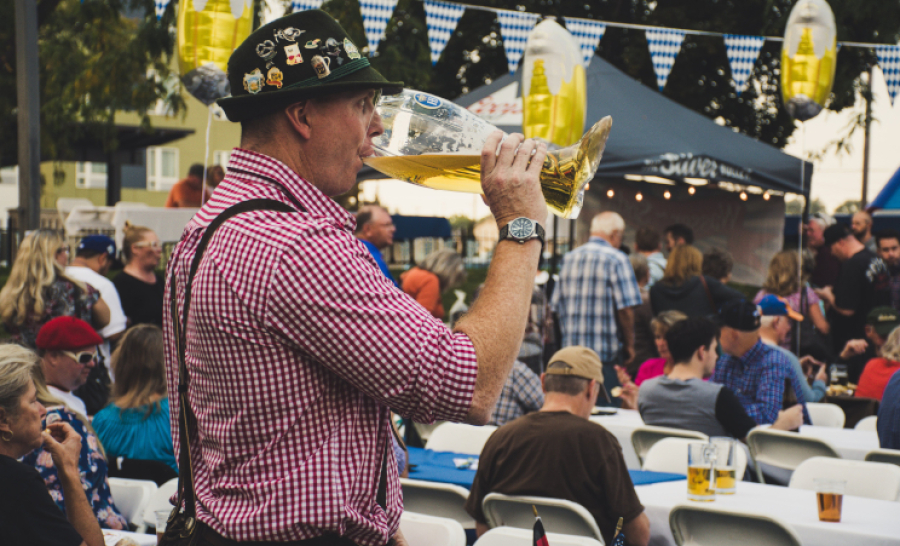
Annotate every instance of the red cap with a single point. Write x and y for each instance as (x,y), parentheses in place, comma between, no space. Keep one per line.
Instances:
(65,334)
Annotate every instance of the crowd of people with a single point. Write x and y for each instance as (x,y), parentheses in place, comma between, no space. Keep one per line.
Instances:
(293,345)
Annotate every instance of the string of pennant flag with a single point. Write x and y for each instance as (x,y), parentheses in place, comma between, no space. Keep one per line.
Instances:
(664,43)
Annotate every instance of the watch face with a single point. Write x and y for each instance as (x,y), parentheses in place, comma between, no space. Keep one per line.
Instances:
(521,228)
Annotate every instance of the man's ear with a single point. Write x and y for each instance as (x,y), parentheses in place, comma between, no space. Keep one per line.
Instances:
(5,421)
(296,115)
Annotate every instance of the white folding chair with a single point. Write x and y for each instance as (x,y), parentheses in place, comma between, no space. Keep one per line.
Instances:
(511,536)
(160,501)
(867,423)
(460,438)
(437,499)
(890,456)
(784,450)
(423,530)
(864,479)
(708,526)
(559,516)
(643,437)
(131,497)
(826,415)
(670,455)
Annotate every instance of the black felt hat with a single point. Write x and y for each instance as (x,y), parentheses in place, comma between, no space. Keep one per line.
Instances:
(739,314)
(301,55)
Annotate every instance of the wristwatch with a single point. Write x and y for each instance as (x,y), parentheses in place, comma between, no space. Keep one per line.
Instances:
(522,229)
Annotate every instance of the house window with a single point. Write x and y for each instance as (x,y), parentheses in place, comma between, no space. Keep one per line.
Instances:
(89,174)
(221,157)
(162,168)
(9,175)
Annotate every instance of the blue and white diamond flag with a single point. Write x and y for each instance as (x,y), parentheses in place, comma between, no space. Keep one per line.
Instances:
(664,47)
(587,34)
(889,60)
(742,54)
(375,16)
(160,6)
(441,19)
(515,26)
(303,5)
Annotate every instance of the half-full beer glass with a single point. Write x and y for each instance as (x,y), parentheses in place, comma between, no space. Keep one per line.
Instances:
(725,469)
(432,142)
(700,477)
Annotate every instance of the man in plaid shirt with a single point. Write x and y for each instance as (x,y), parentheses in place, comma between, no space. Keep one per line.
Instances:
(521,394)
(296,344)
(596,294)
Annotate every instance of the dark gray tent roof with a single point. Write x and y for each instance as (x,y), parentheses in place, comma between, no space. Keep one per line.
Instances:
(653,135)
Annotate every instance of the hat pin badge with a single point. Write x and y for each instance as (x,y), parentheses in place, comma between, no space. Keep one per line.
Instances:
(266,50)
(274,77)
(322,66)
(253,81)
(293,54)
(289,34)
(350,48)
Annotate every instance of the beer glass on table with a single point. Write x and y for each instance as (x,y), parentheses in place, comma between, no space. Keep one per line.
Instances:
(162,519)
(830,498)
(700,478)
(429,141)
(726,467)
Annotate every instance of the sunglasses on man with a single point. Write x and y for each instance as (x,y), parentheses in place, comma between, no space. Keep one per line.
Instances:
(84,357)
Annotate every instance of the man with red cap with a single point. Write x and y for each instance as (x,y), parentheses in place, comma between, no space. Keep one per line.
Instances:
(68,349)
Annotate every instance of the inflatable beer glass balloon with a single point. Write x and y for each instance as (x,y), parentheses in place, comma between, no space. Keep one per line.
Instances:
(808,58)
(554,91)
(432,142)
(208,31)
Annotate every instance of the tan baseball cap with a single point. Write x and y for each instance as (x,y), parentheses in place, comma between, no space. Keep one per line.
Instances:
(583,362)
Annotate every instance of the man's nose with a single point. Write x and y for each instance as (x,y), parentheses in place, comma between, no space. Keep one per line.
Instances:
(375,126)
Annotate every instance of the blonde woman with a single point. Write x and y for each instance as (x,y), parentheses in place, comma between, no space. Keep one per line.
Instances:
(28,506)
(92,465)
(684,288)
(38,290)
(136,425)
(438,272)
(783,280)
(878,371)
(140,286)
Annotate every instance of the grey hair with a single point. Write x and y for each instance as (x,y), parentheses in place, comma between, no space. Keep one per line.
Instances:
(607,223)
(16,367)
(822,218)
(447,265)
(569,385)
(640,265)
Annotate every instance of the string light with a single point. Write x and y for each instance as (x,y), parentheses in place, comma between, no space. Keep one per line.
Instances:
(692,190)
(610,193)
(639,197)
(766,196)
(667,195)
(743,196)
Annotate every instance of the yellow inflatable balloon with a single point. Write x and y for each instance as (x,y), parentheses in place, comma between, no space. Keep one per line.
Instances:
(208,32)
(808,58)
(554,90)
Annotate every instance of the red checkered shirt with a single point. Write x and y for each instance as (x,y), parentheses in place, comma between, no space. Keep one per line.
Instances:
(297,345)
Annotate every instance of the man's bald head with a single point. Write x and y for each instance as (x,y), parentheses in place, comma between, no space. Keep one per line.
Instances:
(861,225)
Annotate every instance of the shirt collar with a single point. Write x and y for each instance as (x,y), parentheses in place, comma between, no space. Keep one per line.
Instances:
(753,355)
(311,197)
(599,240)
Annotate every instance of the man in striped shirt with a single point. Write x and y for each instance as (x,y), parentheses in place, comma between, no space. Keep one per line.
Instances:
(297,346)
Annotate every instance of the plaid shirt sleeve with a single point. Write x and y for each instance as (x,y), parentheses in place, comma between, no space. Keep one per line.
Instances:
(626,291)
(527,388)
(370,334)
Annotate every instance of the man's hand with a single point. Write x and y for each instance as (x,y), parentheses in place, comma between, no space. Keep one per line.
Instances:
(825,293)
(510,179)
(789,419)
(64,446)
(629,354)
(822,375)
(854,347)
(399,539)
(808,362)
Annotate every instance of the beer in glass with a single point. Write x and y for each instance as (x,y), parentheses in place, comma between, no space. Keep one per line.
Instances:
(725,470)
(700,477)
(830,498)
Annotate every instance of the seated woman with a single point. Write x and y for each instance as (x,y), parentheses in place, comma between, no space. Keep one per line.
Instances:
(663,364)
(24,499)
(92,465)
(136,425)
(878,371)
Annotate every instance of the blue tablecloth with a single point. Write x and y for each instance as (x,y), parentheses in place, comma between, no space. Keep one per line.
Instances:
(438,466)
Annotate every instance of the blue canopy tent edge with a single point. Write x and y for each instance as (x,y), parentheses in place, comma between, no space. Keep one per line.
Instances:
(889,196)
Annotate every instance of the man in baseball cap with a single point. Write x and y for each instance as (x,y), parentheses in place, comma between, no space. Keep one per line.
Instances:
(524,457)
(68,350)
(94,257)
(753,370)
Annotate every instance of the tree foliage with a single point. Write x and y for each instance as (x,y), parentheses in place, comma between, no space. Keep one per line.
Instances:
(700,78)
(795,206)
(96,57)
(849,207)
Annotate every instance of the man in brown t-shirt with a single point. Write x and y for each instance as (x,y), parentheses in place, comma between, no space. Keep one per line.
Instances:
(557,452)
